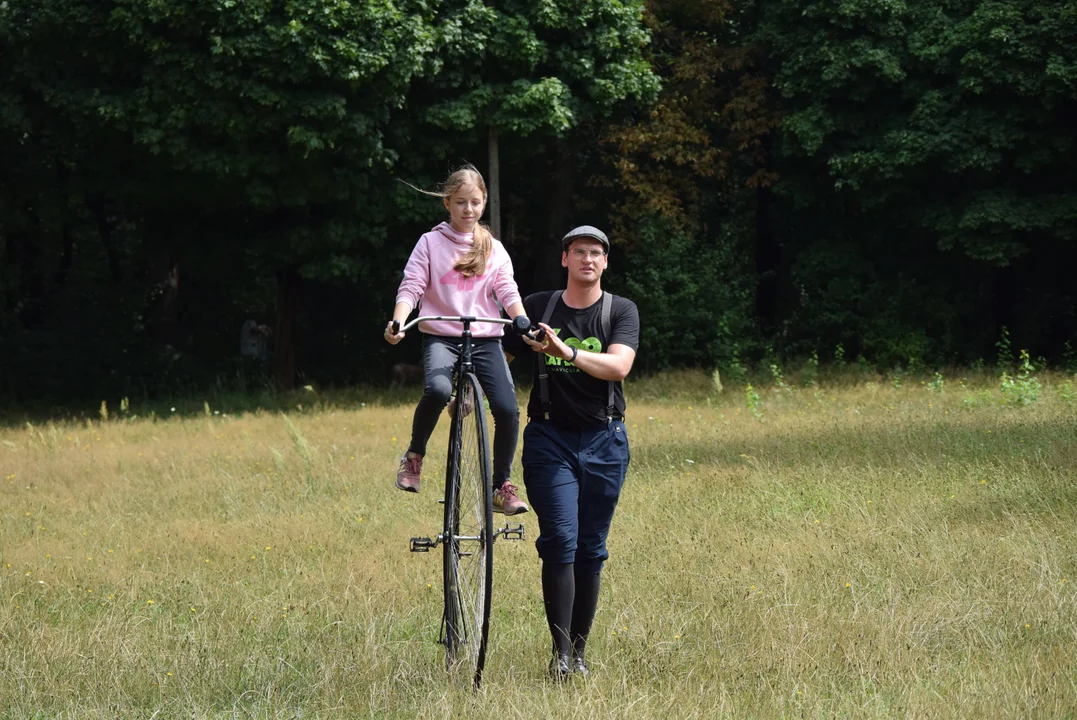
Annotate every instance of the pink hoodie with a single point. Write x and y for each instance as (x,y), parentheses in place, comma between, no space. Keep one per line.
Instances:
(429,276)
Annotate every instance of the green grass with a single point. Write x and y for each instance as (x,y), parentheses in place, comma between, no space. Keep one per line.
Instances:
(863,551)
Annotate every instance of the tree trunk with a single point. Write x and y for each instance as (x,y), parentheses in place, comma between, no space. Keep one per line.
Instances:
(287,307)
(495,186)
(548,269)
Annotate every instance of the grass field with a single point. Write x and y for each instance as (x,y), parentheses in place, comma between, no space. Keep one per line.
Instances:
(859,551)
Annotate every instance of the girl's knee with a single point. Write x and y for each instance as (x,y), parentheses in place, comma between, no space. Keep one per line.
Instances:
(505,412)
(438,388)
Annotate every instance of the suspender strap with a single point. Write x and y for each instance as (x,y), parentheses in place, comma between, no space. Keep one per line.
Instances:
(611,408)
(544,385)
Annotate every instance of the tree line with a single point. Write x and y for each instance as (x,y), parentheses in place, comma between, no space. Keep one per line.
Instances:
(778,177)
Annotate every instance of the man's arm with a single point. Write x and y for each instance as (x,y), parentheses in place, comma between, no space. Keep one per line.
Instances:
(614,364)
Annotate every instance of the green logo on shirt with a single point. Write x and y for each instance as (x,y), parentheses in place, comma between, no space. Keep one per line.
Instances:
(591,344)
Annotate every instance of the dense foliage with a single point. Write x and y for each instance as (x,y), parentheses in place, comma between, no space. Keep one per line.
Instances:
(778,175)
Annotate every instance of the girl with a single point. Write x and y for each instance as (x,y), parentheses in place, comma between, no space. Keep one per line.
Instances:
(458,268)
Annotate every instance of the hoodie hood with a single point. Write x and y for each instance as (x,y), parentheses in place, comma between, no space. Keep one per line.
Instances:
(462,239)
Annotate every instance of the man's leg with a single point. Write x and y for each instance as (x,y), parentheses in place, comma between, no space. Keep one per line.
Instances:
(585,601)
(604,462)
(558,594)
(549,474)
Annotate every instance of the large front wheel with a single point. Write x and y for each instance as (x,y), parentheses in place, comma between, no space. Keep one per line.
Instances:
(469,546)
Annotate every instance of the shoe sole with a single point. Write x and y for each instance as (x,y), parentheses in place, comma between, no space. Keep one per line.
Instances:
(406,489)
(517,511)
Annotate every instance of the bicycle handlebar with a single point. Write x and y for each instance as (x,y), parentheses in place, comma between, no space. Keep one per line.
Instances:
(520,325)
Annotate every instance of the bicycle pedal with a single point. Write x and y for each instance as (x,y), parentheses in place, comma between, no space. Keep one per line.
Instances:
(513,531)
(421,544)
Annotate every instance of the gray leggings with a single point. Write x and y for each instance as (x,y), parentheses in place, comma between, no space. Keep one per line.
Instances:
(439,357)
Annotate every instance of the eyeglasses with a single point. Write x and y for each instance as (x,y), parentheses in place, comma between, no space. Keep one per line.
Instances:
(580,254)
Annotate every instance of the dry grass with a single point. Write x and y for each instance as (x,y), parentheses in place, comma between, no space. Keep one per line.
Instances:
(863,552)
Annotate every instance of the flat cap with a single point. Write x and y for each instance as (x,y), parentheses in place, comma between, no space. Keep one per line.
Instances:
(588,231)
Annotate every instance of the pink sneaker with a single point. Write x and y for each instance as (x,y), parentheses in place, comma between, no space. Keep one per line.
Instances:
(407,476)
(506,502)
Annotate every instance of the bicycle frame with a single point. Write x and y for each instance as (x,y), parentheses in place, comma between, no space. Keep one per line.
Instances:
(464,365)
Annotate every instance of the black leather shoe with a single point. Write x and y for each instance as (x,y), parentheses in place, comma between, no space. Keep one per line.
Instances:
(560,667)
(580,666)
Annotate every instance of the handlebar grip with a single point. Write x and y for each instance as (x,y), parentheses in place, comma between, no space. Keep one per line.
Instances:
(540,336)
(521,325)
(396,327)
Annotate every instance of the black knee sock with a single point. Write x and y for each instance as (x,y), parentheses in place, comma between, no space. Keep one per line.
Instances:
(558,590)
(583,608)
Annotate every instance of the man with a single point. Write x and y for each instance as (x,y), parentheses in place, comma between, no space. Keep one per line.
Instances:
(575,451)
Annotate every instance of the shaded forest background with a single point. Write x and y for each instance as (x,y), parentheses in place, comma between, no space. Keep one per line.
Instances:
(778,177)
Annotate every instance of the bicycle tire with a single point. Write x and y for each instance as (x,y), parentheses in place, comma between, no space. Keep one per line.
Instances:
(468,561)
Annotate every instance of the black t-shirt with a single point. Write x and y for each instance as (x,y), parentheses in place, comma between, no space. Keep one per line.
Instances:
(577,400)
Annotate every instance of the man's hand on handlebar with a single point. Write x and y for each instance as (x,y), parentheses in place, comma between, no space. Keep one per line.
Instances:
(545,340)
(531,334)
(522,326)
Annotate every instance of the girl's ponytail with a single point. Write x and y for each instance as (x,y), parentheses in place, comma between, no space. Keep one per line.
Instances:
(473,262)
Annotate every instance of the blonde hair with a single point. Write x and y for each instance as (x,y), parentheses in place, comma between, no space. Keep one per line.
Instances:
(473,262)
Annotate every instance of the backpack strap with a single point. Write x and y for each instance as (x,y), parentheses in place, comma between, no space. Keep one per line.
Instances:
(544,385)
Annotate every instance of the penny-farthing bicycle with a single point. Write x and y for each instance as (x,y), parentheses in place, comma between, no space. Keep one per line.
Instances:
(467,537)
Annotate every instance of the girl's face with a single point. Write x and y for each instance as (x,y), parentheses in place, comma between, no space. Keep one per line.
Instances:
(465,207)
